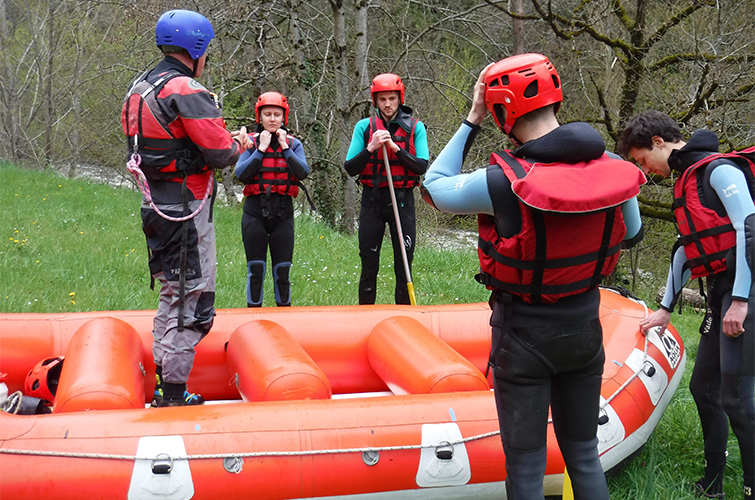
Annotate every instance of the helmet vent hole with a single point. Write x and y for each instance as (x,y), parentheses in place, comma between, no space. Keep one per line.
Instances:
(494,83)
(531,90)
(556,83)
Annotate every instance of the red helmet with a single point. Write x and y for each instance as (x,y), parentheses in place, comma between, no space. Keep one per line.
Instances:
(42,380)
(272,99)
(386,82)
(519,84)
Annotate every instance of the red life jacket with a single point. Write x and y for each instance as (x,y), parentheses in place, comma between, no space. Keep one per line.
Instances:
(164,156)
(706,236)
(570,236)
(374,173)
(274,176)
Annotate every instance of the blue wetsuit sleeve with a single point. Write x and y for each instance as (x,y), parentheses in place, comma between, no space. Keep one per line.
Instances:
(421,149)
(296,160)
(450,190)
(731,186)
(248,164)
(676,278)
(630,209)
(357,139)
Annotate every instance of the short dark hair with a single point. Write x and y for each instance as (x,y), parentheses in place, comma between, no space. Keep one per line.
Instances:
(641,129)
(172,49)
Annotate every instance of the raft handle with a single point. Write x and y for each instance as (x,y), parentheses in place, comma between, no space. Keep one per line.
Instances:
(162,464)
(648,368)
(603,417)
(444,451)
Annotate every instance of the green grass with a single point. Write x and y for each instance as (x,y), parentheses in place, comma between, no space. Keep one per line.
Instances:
(672,460)
(68,245)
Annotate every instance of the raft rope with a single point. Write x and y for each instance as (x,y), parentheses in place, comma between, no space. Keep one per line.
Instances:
(141,181)
(250,454)
(310,452)
(644,359)
(13,403)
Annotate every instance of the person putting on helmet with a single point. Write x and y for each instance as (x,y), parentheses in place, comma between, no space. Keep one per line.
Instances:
(715,215)
(176,139)
(271,170)
(543,252)
(393,131)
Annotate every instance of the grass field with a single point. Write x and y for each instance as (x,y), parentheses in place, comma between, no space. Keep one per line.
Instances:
(68,245)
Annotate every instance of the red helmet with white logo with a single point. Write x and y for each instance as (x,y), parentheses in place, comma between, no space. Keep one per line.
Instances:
(519,84)
(42,380)
(386,82)
(272,99)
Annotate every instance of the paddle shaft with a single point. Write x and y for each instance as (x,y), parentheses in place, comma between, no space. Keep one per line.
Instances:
(409,285)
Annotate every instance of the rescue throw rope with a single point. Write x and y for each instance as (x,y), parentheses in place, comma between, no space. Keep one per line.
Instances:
(141,181)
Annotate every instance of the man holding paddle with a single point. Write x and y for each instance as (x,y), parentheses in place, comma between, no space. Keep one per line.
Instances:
(388,152)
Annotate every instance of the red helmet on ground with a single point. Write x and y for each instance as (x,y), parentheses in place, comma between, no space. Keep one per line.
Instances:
(272,99)
(386,82)
(42,380)
(519,84)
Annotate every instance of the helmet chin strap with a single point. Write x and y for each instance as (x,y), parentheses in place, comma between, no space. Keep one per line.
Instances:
(514,138)
(196,65)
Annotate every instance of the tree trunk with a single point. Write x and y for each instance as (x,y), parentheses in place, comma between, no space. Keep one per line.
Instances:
(50,109)
(8,118)
(343,98)
(519,47)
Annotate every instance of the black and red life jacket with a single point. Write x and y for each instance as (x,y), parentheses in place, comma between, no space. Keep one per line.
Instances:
(274,176)
(707,236)
(147,126)
(374,173)
(572,227)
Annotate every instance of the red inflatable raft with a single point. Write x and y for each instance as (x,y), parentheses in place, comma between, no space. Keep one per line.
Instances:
(352,402)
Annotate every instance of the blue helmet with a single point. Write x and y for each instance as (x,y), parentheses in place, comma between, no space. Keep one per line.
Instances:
(186,29)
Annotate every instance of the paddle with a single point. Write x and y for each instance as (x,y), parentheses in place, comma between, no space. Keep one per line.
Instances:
(409,284)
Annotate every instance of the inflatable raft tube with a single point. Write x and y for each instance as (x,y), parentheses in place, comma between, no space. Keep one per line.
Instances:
(414,445)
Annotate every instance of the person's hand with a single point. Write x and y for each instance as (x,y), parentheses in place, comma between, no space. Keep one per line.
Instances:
(661,318)
(379,138)
(479,111)
(265,138)
(282,135)
(242,137)
(734,319)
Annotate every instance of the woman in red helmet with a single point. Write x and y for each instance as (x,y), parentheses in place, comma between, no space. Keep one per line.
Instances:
(542,254)
(271,171)
(404,139)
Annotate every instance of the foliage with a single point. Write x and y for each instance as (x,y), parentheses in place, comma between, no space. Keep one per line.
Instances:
(65,67)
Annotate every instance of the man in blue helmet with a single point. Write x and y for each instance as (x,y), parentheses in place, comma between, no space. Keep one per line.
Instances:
(176,138)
